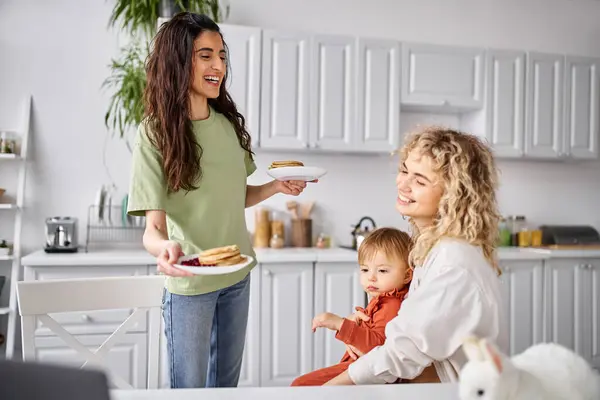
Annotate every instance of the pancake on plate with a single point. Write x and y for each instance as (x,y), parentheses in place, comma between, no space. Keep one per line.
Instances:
(289,163)
(222,256)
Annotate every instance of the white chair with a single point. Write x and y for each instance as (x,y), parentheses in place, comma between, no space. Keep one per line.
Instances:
(37,299)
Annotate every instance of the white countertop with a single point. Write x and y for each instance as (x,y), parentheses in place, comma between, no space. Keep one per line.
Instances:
(421,391)
(285,255)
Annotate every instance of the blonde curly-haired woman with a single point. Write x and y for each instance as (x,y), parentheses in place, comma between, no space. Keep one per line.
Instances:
(447,188)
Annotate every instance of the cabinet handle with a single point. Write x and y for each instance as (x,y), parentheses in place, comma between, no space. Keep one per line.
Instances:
(85,318)
(266,272)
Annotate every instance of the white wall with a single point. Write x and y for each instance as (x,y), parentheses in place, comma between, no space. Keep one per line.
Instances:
(59,52)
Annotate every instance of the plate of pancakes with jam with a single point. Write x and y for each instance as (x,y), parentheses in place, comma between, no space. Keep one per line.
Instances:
(216,261)
(293,170)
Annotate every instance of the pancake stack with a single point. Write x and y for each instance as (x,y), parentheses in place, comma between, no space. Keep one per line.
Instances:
(289,163)
(221,256)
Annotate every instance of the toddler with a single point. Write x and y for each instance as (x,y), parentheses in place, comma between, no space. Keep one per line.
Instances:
(385,276)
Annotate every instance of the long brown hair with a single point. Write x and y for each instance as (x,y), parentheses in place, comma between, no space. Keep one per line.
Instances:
(169,77)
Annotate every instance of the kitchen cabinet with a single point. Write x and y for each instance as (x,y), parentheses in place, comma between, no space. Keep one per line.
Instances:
(436,77)
(522,285)
(249,374)
(378,95)
(505,102)
(582,107)
(544,102)
(337,290)
(244,45)
(334,93)
(128,358)
(286,311)
(332,112)
(572,306)
(284,103)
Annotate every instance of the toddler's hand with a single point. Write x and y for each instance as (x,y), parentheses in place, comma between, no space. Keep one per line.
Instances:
(327,320)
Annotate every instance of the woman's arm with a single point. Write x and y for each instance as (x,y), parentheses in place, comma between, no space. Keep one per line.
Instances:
(258,194)
(155,237)
(431,325)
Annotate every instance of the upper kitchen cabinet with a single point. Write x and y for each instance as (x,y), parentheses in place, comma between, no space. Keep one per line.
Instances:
(284,104)
(442,78)
(243,81)
(544,106)
(505,102)
(582,107)
(378,95)
(332,97)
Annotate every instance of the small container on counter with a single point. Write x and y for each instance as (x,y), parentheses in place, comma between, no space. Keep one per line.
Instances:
(505,232)
(302,232)
(323,241)
(277,241)
(262,228)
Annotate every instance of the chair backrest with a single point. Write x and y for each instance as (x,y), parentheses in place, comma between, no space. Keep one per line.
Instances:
(142,294)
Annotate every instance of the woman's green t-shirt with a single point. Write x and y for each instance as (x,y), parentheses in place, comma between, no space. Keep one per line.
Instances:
(212,215)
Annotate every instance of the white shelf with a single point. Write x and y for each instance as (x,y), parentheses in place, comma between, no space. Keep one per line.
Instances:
(4,310)
(6,258)
(7,206)
(9,156)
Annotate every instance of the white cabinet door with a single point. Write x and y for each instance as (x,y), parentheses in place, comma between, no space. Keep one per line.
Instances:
(128,358)
(285,90)
(524,303)
(505,102)
(440,77)
(243,80)
(332,99)
(590,321)
(582,107)
(544,106)
(378,95)
(573,301)
(337,290)
(286,314)
(249,375)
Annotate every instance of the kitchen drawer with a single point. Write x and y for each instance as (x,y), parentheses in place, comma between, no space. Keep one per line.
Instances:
(105,321)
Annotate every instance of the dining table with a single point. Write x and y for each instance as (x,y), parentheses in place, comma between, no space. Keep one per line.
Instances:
(417,391)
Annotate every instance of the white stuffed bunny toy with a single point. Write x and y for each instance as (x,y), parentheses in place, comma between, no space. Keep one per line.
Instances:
(544,371)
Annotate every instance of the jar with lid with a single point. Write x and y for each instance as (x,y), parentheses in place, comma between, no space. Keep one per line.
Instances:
(276,241)
(522,231)
(505,232)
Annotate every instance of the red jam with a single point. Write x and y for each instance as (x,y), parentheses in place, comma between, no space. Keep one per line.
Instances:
(196,263)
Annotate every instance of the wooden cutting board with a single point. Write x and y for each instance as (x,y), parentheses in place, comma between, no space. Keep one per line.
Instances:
(571,247)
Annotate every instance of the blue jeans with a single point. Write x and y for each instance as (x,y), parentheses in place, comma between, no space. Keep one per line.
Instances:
(206,335)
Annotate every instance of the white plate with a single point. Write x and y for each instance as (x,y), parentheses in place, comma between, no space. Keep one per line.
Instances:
(296,173)
(211,270)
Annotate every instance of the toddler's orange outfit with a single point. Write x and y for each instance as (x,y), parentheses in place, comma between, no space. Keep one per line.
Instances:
(363,335)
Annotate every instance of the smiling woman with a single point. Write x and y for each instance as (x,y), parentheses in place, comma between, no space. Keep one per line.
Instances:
(191,160)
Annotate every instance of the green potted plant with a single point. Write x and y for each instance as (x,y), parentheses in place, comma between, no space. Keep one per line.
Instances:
(128,77)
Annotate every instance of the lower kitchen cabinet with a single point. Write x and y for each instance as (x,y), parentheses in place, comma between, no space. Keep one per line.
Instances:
(572,306)
(286,311)
(522,284)
(337,290)
(546,300)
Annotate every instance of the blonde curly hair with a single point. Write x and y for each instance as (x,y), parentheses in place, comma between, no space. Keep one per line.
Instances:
(468,208)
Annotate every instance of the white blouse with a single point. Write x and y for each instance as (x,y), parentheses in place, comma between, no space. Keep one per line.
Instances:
(456,293)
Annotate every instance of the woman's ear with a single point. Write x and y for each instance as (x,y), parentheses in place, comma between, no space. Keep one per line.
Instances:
(472,349)
(492,354)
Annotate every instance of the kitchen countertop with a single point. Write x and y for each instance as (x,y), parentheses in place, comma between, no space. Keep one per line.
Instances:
(141,257)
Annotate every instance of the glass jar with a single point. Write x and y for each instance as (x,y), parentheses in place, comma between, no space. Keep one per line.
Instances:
(504,232)
(276,242)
